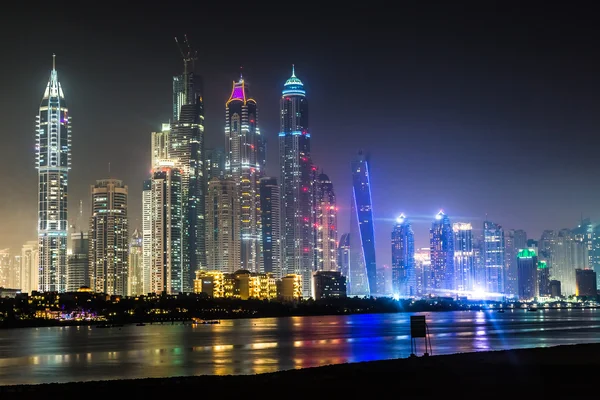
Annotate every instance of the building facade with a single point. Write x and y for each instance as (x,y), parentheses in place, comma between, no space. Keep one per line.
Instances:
(441,243)
(109,238)
(493,253)
(329,284)
(325,224)
(296,171)
(30,267)
(585,283)
(344,254)
(53,162)
(403,258)
(513,241)
(464,257)
(270,206)
(527,264)
(79,262)
(223,226)
(136,270)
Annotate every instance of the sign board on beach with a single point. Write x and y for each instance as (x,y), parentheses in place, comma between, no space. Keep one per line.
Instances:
(418,326)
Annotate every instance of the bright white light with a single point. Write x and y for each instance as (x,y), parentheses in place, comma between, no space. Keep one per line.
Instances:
(400,219)
(396,297)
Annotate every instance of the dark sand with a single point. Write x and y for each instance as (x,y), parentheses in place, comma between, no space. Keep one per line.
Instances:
(541,373)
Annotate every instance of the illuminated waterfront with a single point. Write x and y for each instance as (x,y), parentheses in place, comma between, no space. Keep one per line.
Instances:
(249,346)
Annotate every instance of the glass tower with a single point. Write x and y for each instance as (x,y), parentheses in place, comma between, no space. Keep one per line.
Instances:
(464,257)
(296,184)
(403,258)
(363,266)
(326,225)
(493,253)
(441,242)
(53,162)
(270,214)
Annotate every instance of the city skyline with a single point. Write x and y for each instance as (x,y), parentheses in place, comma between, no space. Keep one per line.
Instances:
(529,175)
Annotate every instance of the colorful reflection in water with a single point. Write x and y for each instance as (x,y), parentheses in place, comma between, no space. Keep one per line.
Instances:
(43,355)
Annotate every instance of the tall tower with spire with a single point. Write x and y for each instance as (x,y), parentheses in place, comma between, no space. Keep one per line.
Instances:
(296,183)
(53,162)
(244,164)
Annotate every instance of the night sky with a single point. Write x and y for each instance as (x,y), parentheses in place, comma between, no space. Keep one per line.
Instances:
(467,107)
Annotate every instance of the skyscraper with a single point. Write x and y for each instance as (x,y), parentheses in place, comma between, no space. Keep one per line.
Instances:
(161,144)
(147,232)
(441,242)
(109,238)
(363,266)
(527,264)
(493,253)
(344,254)
(325,224)
(166,270)
(296,183)
(222,226)
(136,272)
(214,164)
(29,267)
(543,276)
(186,141)
(464,256)
(271,225)
(79,262)
(513,241)
(53,162)
(243,164)
(403,258)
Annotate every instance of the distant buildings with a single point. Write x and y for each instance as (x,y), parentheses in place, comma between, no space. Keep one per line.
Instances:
(527,264)
(79,262)
(241,284)
(344,254)
(403,258)
(543,278)
(363,266)
(441,239)
(513,241)
(464,256)
(329,284)
(53,162)
(493,254)
(109,238)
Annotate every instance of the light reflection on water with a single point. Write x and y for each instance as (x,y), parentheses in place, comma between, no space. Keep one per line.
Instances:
(43,355)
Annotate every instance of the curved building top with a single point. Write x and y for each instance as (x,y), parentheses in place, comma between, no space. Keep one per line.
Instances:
(239,92)
(293,86)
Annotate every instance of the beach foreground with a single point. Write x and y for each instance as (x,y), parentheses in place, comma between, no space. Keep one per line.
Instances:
(553,370)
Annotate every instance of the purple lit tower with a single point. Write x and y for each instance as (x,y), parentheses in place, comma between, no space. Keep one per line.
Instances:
(244,164)
(296,184)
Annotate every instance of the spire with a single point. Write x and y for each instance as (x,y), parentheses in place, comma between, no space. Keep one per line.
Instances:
(53,62)
(293,71)
(241,77)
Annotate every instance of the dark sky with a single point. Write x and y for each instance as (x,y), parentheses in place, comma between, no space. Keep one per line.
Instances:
(474,108)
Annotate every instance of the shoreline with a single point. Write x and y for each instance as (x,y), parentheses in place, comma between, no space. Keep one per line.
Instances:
(551,370)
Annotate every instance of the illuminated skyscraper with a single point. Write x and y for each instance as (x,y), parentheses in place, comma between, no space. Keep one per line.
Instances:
(527,265)
(136,272)
(513,241)
(325,224)
(244,165)
(441,242)
(493,253)
(344,254)
(270,206)
(53,162)
(464,256)
(403,258)
(109,238)
(161,144)
(147,231)
(186,148)
(166,270)
(296,183)
(29,267)
(423,276)
(79,261)
(363,266)
(223,226)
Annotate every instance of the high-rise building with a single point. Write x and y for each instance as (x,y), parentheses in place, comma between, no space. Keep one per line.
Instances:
(464,256)
(513,241)
(53,162)
(147,232)
(325,224)
(79,262)
(296,168)
(243,164)
(29,267)
(329,284)
(441,243)
(271,226)
(109,238)
(363,265)
(543,278)
(585,283)
(565,260)
(161,144)
(214,164)
(6,261)
(136,271)
(186,141)
(166,268)
(493,253)
(223,226)
(344,254)
(527,264)
(403,258)
(423,278)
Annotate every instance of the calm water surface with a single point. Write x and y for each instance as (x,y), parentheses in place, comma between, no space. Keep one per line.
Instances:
(42,355)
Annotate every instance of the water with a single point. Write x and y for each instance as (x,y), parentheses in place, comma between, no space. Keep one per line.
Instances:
(63,354)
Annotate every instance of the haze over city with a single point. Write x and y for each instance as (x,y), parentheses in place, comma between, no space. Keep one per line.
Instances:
(454,108)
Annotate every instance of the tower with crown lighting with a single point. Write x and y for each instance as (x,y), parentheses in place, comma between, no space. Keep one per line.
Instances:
(244,165)
(53,162)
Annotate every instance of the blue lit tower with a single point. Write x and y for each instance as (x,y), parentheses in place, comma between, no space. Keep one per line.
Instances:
(493,255)
(53,162)
(403,258)
(244,162)
(464,256)
(296,184)
(363,267)
(441,242)
(186,140)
